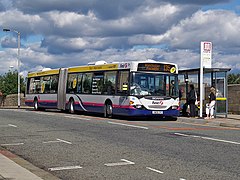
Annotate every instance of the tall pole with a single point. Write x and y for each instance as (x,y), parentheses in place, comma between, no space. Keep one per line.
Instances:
(206,62)
(18,65)
(18,70)
(201,88)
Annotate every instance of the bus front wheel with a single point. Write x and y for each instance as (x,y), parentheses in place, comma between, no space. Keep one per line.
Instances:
(108,110)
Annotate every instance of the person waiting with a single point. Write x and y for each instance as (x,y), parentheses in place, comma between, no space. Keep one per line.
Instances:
(191,100)
(211,105)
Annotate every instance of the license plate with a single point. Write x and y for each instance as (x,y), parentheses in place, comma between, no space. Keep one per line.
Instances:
(157,112)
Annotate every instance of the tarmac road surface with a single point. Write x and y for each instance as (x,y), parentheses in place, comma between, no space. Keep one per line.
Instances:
(93,147)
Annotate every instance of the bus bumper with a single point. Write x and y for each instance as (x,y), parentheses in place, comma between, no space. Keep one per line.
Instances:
(147,113)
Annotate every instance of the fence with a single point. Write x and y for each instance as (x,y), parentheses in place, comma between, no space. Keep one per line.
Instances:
(234,98)
(11,100)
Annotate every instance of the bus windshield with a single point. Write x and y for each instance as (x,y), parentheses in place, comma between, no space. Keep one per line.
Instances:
(153,84)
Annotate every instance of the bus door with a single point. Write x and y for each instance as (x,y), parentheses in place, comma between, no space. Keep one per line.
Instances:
(62,82)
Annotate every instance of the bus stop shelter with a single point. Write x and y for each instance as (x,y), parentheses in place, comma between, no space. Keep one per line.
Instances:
(212,77)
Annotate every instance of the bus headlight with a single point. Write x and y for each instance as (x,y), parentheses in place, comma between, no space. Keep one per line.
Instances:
(175,107)
(138,106)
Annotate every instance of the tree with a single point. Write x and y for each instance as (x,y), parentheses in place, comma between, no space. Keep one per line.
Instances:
(234,78)
(9,83)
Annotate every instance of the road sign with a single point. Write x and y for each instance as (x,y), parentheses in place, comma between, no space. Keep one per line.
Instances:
(206,54)
(205,62)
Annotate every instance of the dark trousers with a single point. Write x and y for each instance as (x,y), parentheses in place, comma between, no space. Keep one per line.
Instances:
(192,109)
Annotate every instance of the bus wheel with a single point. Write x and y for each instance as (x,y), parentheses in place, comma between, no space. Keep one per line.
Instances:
(71,106)
(36,105)
(108,110)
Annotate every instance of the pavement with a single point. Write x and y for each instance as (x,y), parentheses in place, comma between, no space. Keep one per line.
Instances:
(11,170)
(15,168)
(232,120)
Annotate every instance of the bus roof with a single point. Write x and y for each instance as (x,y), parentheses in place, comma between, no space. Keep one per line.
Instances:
(132,65)
(43,73)
(145,65)
(103,67)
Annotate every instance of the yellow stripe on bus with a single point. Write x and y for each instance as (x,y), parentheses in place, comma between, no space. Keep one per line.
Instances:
(221,99)
(93,68)
(44,73)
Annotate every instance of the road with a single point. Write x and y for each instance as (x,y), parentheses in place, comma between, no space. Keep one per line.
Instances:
(92,147)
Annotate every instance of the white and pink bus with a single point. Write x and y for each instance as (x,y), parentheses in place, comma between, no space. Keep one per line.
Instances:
(136,88)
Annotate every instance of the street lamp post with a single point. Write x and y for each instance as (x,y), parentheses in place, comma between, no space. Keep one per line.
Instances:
(18,63)
(11,67)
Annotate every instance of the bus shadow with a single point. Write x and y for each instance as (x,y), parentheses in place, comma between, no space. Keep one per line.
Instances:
(144,118)
(116,117)
(150,118)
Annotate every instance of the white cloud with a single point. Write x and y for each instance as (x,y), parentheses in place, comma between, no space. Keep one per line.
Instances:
(77,32)
(23,22)
(65,19)
(220,27)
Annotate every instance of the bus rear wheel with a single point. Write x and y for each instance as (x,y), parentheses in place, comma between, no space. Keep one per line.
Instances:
(108,110)
(35,105)
(71,106)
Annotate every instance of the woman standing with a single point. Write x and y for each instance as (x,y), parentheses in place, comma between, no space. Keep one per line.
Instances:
(211,105)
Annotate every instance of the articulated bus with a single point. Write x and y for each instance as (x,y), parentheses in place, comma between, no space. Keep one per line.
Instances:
(136,88)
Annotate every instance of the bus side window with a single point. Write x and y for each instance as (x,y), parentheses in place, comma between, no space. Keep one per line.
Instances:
(54,84)
(71,83)
(79,83)
(86,83)
(45,84)
(31,86)
(123,79)
(37,86)
(109,82)
(97,83)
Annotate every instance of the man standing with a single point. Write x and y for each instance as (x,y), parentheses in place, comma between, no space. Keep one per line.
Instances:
(191,101)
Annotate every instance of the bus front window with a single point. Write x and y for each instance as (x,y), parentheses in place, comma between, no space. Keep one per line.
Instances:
(153,84)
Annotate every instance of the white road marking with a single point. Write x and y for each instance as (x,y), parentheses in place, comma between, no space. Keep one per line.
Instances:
(9,125)
(155,170)
(74,117)
(50,142)
(208,138)
(64,168)
(220,140)
(180,134)
(45,113)
(57,141)
(129,125)
(13,144)
(64,141)
(126,162)
(12,125)
(182,179)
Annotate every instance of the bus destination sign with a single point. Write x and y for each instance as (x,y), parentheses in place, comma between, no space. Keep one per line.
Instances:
(157,67)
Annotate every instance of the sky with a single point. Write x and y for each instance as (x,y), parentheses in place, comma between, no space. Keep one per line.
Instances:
(64,33)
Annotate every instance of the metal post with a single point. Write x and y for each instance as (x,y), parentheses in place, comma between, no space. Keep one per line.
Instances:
(201,84)
(18,69)
(18,64)
(201,91)
(226,92)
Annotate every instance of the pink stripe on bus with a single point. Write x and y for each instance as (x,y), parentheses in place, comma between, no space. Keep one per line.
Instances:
(92,104)
(47,101)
